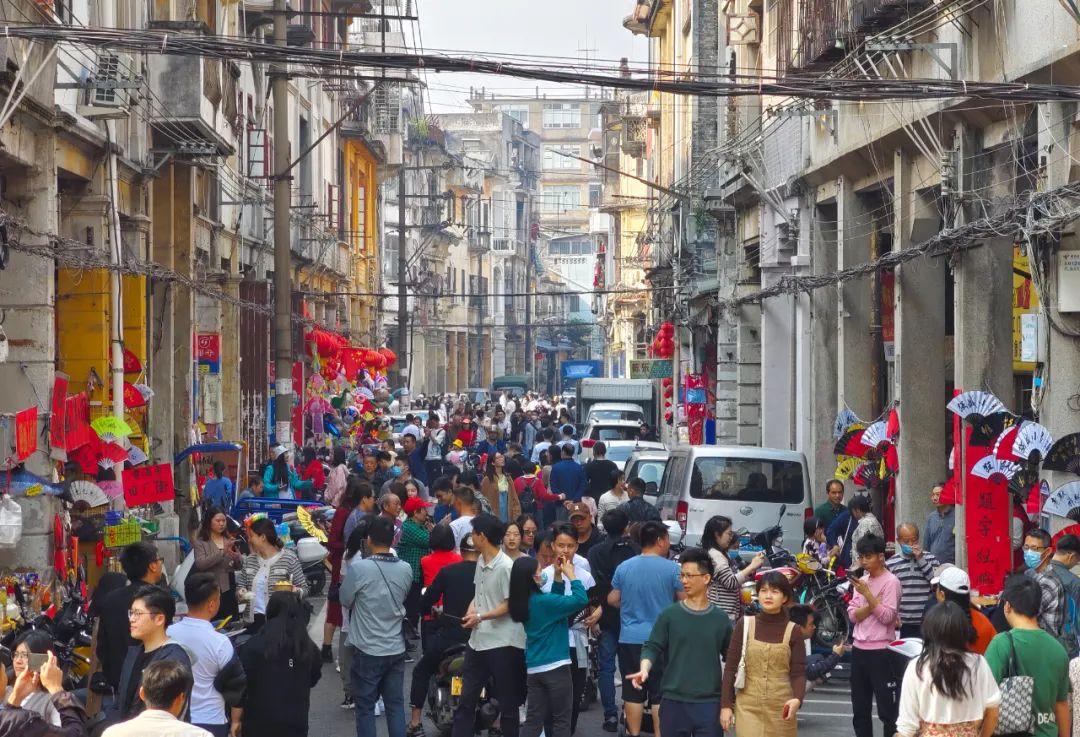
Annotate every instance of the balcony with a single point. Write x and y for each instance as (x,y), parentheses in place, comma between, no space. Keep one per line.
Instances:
(479,241)
(828,29)
(872,16)
(633,138)
(502,245)
(192,87)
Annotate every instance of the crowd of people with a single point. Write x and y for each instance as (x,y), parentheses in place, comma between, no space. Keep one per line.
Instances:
(489,534)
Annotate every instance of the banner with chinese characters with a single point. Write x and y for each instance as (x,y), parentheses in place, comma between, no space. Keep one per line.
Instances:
(148,484)
(57,421)
(25,433)
(987,514)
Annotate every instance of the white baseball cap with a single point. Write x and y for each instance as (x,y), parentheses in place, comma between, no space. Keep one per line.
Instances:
(278,450)
(953,579)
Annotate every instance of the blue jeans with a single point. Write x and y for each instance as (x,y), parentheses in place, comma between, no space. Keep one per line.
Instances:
(606,652)
(374,676)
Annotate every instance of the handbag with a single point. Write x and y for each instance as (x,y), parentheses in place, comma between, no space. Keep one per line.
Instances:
(1015,716)
(740,673)
(333,594)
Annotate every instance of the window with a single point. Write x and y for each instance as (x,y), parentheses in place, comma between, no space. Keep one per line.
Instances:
(562,115)
(520,113)
(472,144)
(747,480)
(594,195)
(561,198)
(553,158)
(574,246)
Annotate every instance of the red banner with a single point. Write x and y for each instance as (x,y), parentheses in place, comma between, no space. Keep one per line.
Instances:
(77,430)
(25,433)
(56,416)
(987,519)
(148,484)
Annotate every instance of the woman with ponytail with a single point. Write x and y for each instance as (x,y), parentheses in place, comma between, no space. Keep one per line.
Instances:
(282,664)
(948,691)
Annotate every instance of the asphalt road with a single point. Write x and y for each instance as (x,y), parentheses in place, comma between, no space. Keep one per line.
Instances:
(826,713)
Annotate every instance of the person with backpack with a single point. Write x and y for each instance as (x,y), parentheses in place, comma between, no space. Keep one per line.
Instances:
(1065,558)
(532,494)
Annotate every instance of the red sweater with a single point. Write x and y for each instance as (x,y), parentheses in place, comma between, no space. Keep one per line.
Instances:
(431,564)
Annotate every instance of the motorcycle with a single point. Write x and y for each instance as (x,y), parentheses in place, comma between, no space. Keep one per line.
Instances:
(444,694)
(309,550)
(770,541)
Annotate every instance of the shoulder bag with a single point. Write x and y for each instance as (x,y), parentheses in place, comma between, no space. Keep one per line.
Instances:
(1015,717)
(740,673)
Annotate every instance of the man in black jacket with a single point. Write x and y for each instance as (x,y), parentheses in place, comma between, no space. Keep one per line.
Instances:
(455,586)
(143,565)
(604,558)
(637,509)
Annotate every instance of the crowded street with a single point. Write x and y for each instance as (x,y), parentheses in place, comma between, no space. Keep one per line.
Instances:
(502,368)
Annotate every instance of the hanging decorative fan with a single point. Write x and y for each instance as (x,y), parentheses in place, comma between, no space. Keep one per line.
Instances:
(1003,445)
(1032,442)
(985,431)
(1022,483)
(844,420)
(88,492)
(1064,501)
(891,459)
(874,435)
(973,406)
(850,444)
(991,468)
(892,425)
(845,467)
(866,475)
(1064,455)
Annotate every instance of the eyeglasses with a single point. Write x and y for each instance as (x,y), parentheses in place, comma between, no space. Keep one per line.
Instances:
(134,614)
(20,655)
(691,575)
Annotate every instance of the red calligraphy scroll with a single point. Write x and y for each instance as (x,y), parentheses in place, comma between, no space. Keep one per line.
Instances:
(56,416)
(987,519)
(25,433)
(148,484)
(77,430)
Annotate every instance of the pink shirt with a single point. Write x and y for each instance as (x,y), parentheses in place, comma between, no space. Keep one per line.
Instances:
(879,629)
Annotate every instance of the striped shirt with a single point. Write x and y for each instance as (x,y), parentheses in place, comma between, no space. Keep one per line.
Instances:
(914,575)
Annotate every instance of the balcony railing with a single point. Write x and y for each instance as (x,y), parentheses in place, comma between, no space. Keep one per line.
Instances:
(827,29)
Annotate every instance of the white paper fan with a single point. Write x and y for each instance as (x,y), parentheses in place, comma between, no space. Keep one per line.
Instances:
(874,435)
(968,404)
(989,466)
(844,419)
(1032,438)
(1064,500)
(89,492)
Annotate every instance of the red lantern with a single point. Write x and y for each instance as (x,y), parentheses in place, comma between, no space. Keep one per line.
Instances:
(667,329)
(378,360)
(668,390)
(389,355)
(326,344)
(666,381)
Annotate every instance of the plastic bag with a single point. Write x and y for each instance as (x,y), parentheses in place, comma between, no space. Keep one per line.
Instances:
(10,522)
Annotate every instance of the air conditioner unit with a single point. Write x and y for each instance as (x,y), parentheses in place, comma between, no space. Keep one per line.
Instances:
(111,69)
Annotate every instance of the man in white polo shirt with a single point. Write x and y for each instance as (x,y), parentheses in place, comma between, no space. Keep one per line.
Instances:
(496,652)
(210,653)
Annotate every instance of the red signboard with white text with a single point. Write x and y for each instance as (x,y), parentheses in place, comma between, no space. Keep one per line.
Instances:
(148,484)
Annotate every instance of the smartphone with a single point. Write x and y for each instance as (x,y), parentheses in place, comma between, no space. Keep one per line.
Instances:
(35,660)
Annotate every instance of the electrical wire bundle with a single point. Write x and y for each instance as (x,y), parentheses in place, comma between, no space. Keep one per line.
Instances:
(177,44)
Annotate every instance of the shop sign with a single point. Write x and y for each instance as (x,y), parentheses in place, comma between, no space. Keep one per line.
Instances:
(208,352)
(148,484)
(650,368)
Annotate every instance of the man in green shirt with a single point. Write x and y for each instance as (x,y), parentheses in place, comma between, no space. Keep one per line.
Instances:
(689,637)
(831,508)
(1038,654)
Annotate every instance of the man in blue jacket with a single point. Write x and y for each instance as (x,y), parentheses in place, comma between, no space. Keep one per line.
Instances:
(567,480)
(415,455)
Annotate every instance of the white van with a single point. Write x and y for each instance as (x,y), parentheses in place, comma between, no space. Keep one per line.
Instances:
(747,484)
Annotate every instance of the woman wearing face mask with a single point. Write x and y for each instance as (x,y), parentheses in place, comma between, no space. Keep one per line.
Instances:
(280,479)
(774,659)
(725,588)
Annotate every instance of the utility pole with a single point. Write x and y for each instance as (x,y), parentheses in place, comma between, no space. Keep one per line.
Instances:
(402,266)
(282,252)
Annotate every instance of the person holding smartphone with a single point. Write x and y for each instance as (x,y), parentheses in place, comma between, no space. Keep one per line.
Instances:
(41,673)
(30,654)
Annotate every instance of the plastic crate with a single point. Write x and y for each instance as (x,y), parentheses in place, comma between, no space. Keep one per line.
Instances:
(123,534)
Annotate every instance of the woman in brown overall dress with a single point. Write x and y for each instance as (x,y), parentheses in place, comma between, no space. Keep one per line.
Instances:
(775,667)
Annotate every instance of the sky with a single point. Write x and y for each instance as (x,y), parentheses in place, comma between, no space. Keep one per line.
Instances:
(563,29)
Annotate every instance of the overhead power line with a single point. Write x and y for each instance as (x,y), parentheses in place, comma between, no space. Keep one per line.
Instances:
(176,44)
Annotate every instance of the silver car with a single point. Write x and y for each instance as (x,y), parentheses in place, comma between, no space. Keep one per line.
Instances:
(648,465)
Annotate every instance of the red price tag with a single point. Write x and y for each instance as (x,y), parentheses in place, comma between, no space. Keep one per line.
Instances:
(148,484)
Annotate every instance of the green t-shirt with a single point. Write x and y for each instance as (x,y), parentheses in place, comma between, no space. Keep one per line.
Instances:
(1040,655)
(690,644)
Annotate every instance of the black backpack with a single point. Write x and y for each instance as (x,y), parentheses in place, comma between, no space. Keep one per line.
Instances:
(527,499)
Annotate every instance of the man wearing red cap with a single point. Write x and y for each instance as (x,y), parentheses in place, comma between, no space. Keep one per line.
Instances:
(411,547)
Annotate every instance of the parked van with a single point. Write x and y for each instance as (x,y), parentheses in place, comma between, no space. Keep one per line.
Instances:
(747,484)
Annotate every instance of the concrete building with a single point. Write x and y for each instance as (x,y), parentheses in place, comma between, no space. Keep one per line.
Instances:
(796,188)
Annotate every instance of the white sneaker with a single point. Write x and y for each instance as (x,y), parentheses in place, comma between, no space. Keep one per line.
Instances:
(379,708)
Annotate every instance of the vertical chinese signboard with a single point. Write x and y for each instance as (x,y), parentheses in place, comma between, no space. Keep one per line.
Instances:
(208,357)
(987,519)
